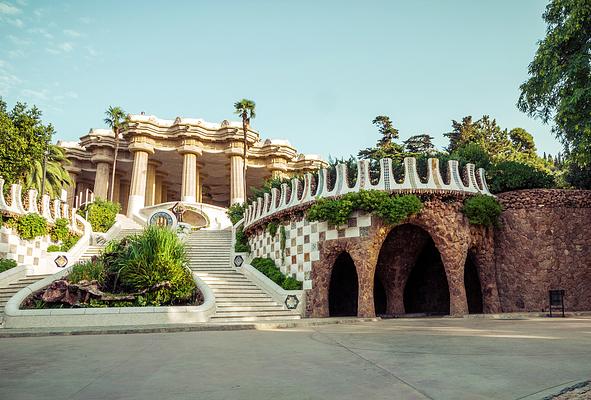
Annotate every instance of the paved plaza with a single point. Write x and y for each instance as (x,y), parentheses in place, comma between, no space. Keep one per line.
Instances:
(390,359)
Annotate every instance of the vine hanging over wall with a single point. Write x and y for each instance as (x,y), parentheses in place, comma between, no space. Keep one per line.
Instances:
(392,209)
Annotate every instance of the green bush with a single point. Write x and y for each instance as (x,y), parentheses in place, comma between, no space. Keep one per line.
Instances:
(88,271)
(60,230)
(6,264)
(142,261)
(482,210)
(236,212)
(66,245)
(31,226)
(268,268)
(52,248)
(393,209)
(241,245)
(513,175)
(100,214)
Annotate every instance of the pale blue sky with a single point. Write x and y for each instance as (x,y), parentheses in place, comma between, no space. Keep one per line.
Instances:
(318,71)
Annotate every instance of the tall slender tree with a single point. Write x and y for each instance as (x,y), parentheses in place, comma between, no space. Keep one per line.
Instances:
(116,119)
(246,109)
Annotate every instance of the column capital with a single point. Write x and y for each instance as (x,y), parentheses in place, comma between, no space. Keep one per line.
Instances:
(189,149)
(101,158)
(141,146)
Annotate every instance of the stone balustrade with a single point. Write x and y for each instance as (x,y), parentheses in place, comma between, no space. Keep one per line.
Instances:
(48,209)
(306,191)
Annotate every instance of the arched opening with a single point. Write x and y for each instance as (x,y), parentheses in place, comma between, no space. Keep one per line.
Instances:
(472,286)
(380,299)
(410,277)
(426,290)
(344,287)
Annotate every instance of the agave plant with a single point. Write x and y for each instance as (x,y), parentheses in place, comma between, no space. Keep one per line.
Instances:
(56,177)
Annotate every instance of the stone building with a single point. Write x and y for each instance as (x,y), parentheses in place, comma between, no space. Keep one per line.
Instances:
(184,159)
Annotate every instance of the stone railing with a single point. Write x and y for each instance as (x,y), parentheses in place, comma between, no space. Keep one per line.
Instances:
(48,209)
(306,191)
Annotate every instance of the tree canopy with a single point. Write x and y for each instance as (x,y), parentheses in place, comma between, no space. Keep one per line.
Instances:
(559,86)
(24,139)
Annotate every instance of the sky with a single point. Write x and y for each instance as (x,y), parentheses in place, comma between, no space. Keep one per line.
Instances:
(318,71)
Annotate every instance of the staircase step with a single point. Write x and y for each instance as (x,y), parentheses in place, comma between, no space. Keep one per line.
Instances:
(215,318)
(263,307)
(227,314)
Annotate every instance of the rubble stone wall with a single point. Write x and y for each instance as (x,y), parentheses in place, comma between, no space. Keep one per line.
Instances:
(544,242)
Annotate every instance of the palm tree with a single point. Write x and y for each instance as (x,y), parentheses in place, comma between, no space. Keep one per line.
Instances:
(56,177)
(116,120)
(246,109)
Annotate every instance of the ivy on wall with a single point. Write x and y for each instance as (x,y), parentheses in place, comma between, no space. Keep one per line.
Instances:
(392,209)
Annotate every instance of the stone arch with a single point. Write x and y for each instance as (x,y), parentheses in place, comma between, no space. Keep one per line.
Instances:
(472,285)
(343,290)
(400,251)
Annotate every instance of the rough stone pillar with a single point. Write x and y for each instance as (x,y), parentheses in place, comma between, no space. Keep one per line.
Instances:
(150,184)
(454,260)
(189,177)
(137,191)
(101,178)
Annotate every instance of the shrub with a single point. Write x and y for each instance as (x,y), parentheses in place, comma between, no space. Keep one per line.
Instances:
(88,271)
(60,230)
(268,268)
(100,214)
(513,175)
(142,261)
(53,248)
(241,245)
(31,226)
(393,209)
(236,212)
(482,210)
(6,264)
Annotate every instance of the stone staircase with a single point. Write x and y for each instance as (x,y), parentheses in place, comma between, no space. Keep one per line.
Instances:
(237,298)
(6,292)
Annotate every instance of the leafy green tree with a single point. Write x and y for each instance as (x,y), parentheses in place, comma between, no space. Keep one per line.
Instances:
(246,109)
(116,119)
(420,144)
(56,177)
(24,138)
(559,86)
(471,153)
(512,175)
(385,147)
(485,132)
(523,141)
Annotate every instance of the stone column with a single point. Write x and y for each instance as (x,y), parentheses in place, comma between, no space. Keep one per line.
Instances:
(278,168)
(102,176)
(189,177)
(117,189)
(158,191)
(123,194)
(151,184)
(137,190)
(198,183)
(164,195)
(73,172)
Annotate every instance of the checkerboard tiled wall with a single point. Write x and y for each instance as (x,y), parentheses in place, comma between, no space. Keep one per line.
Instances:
(24,252)
(301,244)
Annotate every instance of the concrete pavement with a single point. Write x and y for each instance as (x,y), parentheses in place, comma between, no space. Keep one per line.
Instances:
(393,359)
